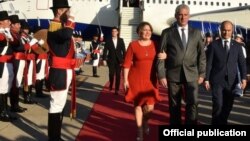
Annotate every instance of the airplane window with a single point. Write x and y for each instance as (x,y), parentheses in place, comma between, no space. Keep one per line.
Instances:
(166,2)
(188,2)
(171,2)
(200,2)
(212,3)
(240,4)
(217,3)
(229,4)
(177,2)
(160,1)
(153,1)
(245,4)
(223,3)
(147,1)
(194,2)
(183,2)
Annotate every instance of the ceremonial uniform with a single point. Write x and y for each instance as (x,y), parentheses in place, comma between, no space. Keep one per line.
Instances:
(61,72)
(20,56)
(41,73)
(95,49)
(30,64)
(6,69)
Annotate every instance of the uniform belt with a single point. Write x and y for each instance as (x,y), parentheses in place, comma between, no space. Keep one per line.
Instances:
(43,56)
(63,63)
(31,57)
(6,58)
(20,56)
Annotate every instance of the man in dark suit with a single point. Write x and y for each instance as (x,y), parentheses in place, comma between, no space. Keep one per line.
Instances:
(184,67)
(223,57)
(114,52)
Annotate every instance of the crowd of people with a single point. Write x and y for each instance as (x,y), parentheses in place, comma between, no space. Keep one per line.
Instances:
(20,67)
(180,62)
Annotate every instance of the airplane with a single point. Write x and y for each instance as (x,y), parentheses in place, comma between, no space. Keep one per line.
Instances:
(91,16)
(204,14)
(94,16)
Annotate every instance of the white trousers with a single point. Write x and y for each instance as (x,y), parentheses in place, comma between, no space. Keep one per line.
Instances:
(7,78)
(41,74)
(30,72)
(19,76)
(96,61)
(58,98)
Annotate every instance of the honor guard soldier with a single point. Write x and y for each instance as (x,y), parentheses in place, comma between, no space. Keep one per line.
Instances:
(6,67)
(20,51)
(61,72)
(95,53)
(30,66)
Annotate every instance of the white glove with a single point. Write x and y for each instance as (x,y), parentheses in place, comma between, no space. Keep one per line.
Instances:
(32,34)
(1,30)
(33,41)
(41,42)
(7,33)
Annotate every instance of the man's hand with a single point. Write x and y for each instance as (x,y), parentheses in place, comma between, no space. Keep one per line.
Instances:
(8,34)
(104,63)
(200,80)
(243,84)
(164,82)
(162,55)
(33,41)
(207,85)
(41,42)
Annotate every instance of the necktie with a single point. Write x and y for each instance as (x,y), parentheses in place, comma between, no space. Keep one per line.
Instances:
(226,47)
(183,38)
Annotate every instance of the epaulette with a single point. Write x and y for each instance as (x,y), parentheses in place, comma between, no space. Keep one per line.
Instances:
(54,26)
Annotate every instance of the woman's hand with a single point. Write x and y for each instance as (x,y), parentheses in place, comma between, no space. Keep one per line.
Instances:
(126,85)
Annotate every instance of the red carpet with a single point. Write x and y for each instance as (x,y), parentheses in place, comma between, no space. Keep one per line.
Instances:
(112,119)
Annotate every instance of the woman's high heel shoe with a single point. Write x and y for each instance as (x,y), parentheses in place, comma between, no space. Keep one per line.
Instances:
(146,128)
(139,134)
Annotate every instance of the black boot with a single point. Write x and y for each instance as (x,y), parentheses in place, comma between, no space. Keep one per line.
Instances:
(95,71)
(28,99)
(14,100)
(4,113)
(39,89)
(54,126)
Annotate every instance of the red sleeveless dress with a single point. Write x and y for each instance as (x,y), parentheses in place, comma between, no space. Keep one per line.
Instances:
(143,86)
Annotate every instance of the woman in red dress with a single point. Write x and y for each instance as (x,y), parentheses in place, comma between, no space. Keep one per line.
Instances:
(140,79)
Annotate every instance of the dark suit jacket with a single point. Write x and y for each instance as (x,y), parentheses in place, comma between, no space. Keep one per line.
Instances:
(218,65)
(191,60)
(112,54)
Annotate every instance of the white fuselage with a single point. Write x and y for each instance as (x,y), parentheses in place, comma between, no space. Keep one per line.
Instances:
(160,13)
(95,12)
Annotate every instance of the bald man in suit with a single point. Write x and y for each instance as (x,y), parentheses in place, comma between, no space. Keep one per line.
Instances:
(223,57)
(184,67)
